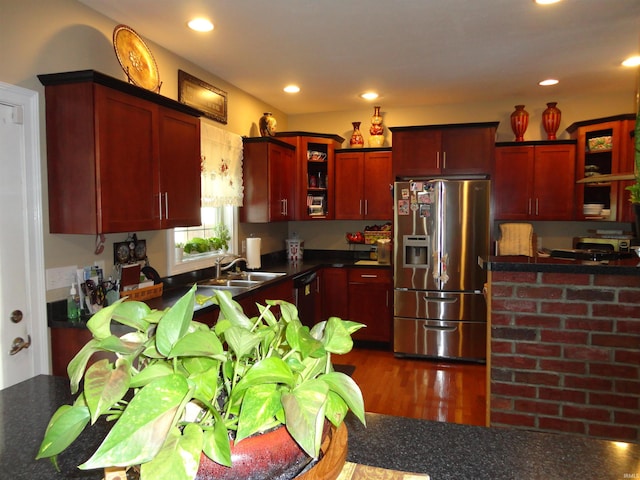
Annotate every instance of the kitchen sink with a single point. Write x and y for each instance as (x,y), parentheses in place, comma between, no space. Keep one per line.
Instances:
(209,290)
(262,276)
(226,282)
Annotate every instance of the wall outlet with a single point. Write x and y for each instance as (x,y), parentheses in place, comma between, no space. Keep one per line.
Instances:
(60,277)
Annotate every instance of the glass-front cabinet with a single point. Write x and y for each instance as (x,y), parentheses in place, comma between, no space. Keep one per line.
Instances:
(604,167)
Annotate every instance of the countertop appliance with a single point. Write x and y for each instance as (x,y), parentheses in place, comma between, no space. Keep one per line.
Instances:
(441,228)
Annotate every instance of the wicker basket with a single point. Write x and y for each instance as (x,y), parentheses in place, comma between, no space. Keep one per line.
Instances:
(371,237)
(144,293)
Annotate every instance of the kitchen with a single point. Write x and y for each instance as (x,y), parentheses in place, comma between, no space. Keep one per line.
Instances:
(75,37)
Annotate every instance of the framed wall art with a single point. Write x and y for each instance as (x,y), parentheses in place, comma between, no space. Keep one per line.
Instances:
(211,101)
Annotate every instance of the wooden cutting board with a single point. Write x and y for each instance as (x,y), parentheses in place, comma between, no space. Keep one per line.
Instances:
(355,471)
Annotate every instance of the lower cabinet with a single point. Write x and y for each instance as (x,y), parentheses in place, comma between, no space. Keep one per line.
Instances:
(370,302)
(279,291)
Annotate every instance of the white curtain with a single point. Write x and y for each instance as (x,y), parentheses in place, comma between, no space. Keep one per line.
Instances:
(221,166)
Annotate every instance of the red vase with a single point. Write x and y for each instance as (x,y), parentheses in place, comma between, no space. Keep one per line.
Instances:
(519,122)
(356,139)
(551,120)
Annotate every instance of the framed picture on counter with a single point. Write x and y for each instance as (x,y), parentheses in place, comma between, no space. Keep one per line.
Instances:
(211,101)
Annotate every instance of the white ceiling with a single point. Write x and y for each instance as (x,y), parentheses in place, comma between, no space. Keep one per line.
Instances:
(414,52)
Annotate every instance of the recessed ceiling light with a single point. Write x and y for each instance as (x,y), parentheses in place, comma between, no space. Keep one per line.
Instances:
(369,95)
(632,61)
(292,89)
(546,2)
(200,25)
(548,81)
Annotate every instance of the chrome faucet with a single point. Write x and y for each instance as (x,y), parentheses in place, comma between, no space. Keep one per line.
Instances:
(220,268)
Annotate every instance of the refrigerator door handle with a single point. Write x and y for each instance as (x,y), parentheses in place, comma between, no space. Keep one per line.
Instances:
(428,298)
(439,328)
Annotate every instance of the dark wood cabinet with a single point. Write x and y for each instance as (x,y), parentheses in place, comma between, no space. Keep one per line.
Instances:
(120,158)
(457,149)
(315,176)
(370,302)
(334,294)
(269,181)
(605,157)
(279,291)
(362,185)
(534,180)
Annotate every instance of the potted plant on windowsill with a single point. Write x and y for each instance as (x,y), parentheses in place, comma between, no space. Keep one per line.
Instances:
(182,393)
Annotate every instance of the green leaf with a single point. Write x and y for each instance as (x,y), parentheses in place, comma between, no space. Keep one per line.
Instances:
(216,443)
(260,404)
(150,373)
(299,339)
(133,314)
(344,386)
(336,408)
(143,427)
(268,370)
(304,411)
(65,426)
(200,343)
(117,345)
(231,310)
(104,386)
(175,323)
(179,457)
(77,365)
(337,335)
(100,323)
(241,341)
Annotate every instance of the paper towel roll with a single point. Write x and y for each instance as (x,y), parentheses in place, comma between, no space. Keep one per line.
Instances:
(253,253)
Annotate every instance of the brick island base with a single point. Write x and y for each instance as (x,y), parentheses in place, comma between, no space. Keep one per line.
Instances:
(565,348)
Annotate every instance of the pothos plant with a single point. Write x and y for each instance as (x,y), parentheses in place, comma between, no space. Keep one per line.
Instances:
(178,388)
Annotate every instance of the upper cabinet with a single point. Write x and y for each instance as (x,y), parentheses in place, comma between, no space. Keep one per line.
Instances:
(362,187)
(605,158)
(315,176)
(119,158)
(269,180)
(458,149)
(534,180)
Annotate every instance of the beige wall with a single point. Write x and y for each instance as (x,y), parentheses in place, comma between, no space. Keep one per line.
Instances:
(64,35)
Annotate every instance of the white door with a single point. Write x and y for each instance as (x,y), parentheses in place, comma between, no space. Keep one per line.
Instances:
(24,345)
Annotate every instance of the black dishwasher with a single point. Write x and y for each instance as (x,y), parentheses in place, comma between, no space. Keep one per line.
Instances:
(305,287)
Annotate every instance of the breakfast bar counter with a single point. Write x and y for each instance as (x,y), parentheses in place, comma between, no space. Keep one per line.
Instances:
(565,346)
(441,450)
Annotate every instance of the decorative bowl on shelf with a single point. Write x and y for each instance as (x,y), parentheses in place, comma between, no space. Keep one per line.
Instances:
(592,209)
(600,143)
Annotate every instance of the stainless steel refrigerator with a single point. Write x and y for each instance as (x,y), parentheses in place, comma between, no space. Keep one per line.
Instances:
(441,228)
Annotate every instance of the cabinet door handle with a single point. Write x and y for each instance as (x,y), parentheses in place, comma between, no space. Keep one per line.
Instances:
(529,207)
(366,207)
(437,159)
(360,207)
(444,160)
(160,205)
(537,213)
(368,276)
(166,205)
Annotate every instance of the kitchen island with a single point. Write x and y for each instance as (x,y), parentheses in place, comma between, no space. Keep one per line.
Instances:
(565,346)
(442,450)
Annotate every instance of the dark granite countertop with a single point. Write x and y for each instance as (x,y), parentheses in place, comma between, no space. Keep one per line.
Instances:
(521,263)
(176,286)
(443,450)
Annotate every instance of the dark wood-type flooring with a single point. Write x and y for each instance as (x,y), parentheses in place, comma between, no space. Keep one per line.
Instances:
(419,388)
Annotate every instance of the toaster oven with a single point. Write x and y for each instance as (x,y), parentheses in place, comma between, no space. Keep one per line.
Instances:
(600,243)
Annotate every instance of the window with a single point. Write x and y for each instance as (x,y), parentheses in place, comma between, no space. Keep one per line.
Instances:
(222,193)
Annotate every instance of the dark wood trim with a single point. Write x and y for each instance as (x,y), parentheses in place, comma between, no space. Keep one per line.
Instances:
(445,126)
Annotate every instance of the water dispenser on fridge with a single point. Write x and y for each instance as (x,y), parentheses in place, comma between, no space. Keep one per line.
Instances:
(415,251)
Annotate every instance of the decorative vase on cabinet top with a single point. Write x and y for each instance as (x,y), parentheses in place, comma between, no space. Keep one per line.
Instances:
(519,122)
(551,120)
(356,140)
(376,130)
(267,125)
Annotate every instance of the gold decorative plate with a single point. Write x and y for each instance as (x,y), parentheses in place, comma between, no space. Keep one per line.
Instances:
(135,58)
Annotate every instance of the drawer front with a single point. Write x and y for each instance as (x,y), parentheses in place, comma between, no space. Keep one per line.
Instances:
(369,275)
(440,305)
(432,338)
